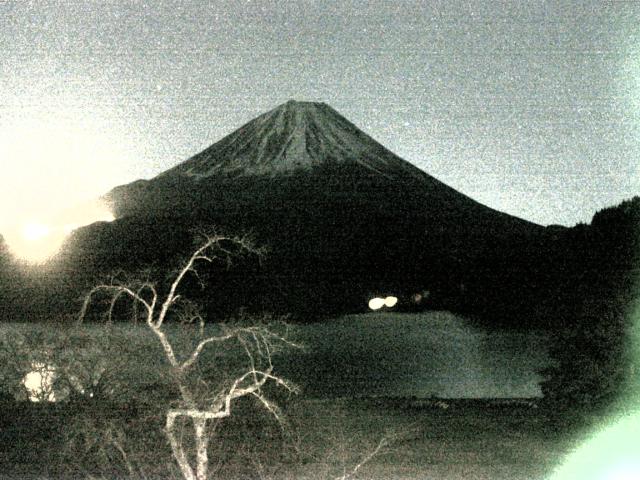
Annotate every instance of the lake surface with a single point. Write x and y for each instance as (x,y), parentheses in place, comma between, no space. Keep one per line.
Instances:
(425,354)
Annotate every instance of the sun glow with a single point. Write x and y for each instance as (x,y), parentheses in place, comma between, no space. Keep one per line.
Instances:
(34,231)
(37,241)
(55,160)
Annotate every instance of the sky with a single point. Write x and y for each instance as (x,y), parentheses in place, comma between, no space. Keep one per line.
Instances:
(532,108)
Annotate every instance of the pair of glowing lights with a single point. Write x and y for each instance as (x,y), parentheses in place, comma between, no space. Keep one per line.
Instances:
(377,303)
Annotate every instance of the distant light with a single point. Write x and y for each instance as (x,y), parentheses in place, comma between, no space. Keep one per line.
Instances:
(390,302)
(420,297)
(376,303)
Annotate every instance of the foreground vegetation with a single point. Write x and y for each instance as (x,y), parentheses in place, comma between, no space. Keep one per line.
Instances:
(326,439)
(114,427)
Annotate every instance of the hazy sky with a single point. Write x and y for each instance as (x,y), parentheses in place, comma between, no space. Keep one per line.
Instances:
(532,108)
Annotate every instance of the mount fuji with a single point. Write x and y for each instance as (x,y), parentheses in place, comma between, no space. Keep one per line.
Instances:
(296,143)
(343,218)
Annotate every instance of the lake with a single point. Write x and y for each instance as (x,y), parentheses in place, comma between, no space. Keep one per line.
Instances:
(418,354)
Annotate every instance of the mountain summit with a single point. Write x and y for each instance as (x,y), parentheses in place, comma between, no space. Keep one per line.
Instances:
(300,152)
(292,137)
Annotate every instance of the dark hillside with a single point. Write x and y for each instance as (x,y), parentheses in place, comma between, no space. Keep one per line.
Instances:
(593,317)
(334,237)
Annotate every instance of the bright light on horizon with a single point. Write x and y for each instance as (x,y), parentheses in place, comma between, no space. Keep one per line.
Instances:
(390,301)
(33,231)
(377,303)
(56,157)
(37,241)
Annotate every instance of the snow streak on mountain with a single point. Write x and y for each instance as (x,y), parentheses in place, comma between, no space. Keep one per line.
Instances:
(292,137)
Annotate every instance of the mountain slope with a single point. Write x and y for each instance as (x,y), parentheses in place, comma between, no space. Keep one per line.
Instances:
(299,151)
(343,216)
(294,136)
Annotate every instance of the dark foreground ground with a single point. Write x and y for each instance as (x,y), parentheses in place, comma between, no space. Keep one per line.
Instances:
(437,439)
(351,409)
(426,439)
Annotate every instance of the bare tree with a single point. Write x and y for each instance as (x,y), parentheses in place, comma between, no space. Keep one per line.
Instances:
(258,343)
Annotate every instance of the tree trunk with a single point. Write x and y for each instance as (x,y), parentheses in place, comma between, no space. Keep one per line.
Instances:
(202,442)
(178,452)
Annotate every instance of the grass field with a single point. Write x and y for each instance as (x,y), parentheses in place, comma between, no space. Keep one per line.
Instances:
(467,440)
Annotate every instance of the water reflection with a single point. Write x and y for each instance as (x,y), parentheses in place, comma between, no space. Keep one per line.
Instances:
(422,355)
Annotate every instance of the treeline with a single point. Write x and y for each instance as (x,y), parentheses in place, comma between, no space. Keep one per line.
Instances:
(579,284)
(596,311)
(7,278)
(543,281)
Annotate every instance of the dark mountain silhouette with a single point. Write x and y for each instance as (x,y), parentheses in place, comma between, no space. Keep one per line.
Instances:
(299,152)
(343,218)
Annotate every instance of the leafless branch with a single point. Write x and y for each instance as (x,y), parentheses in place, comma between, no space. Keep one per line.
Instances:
(366,459)
(258,343)
(193,357)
